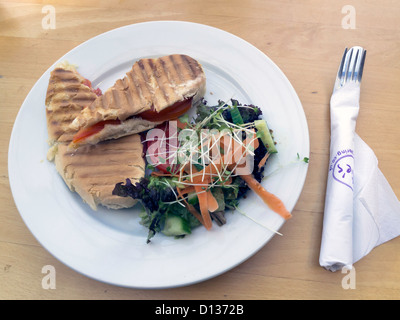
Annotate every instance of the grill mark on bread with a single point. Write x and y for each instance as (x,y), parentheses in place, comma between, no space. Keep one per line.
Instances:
(130,89)
(142,81)
(77,98)
(158,76)
(104,171)
(135,91)
(68,80)
(150,80)
(62,118)
(184,67)
(116,97)
(66,97)
(181,67)
(144,74)
(107,100)
(64,74)
(175,66)
(189,63)
(60,77)
(54,91)
(129,93)
(93,171)
(171,75)
(107,159)
(168,78)
(61,70)
(83,100)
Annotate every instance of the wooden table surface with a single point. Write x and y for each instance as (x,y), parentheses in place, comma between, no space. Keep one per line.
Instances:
(306,40)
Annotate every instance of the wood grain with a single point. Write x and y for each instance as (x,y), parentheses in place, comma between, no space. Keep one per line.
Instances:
(306,40)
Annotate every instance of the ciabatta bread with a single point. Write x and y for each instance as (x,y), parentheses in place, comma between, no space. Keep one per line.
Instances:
(93,170)
(68,93)
(152,84)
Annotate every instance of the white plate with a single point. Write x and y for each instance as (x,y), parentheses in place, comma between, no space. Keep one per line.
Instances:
(110,246)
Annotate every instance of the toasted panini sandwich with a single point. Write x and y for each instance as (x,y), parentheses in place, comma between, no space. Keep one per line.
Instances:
(153,91)
(92,171)
(68,93)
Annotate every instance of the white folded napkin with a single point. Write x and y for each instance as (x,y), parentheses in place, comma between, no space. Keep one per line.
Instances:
(361,209)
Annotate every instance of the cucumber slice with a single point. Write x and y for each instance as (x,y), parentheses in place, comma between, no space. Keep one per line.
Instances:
(265,135)
(175,226)
(235,114)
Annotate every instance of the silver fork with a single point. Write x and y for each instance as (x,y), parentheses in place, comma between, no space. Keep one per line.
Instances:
(351,67)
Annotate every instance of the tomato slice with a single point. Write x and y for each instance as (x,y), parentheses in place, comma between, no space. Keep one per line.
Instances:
(163,153)
(170,113)
(89,131)
(88,83)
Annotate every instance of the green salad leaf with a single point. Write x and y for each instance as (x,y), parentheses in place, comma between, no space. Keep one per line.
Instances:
(165,212)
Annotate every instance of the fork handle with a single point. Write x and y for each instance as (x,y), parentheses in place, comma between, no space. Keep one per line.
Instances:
(338,212)
(344,112)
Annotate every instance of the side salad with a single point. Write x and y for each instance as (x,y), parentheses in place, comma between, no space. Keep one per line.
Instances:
(199,168)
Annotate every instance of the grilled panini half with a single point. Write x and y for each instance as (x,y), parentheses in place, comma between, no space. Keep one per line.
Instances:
(91,171)
(68,93)
(153,91)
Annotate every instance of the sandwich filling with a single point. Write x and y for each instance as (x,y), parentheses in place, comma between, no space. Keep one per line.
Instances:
(170,113)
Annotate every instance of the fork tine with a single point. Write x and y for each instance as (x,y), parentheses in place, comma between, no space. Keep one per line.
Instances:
(355,63)
(351,66)
(361,67)
(340,72)
(347,62)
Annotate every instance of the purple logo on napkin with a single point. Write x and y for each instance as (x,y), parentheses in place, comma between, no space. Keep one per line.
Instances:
(342,168)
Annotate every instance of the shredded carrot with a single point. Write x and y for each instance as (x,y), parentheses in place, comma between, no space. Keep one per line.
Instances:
(191,209)
(198,178)
(203,201)
(263,160)
(238,151)
(188,189)
(212,203)
(207,202)
(209,171)
(270,199)
(252,139)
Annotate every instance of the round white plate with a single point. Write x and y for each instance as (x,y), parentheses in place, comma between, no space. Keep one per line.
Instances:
(110,245)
